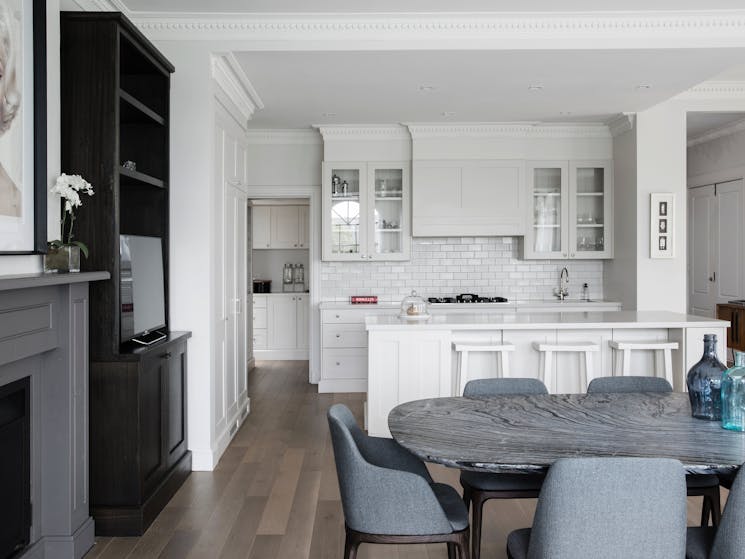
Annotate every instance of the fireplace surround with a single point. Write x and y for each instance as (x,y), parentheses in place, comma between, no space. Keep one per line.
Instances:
(44,342)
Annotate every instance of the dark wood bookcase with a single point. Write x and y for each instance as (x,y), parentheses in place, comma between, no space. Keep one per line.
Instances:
(115,88)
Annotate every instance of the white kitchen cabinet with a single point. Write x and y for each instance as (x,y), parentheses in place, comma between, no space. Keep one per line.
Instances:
(570,210)
(280,227)
(468,198)
(260,227)
(280,326)
(366,211)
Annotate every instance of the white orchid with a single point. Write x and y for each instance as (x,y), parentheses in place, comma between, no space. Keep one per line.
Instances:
(70,187)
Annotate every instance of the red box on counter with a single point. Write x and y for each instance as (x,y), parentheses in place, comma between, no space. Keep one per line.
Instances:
(364,299)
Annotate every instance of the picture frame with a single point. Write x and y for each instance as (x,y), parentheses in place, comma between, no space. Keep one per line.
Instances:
(23,142)
(662,225)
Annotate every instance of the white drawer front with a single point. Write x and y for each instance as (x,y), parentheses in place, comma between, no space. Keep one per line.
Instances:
(353,335)
(344,364)
(259,301)
(259,318)
(351,316)
(260,339)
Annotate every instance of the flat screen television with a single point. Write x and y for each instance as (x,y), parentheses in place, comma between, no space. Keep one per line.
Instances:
(143,305)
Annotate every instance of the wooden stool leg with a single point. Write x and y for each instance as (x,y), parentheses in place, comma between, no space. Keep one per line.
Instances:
(626,362)
(542,368)
(668,362)
(505,363)
(463,373)
(587,373)
(614,362)
(458,369)
(549,371)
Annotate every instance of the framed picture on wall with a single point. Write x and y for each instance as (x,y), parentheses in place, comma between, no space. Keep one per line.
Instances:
(662,226)
(23,127)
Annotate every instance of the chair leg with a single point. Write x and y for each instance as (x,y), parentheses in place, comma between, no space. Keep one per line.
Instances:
(351,543)
(463,545)
(705,511)
(467,496)
(478,508)
(451,551)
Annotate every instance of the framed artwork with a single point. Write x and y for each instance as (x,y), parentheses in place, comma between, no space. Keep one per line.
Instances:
(23,127)
(662,226)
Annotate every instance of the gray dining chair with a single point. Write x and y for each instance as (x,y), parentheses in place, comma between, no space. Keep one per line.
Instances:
(706,486)
(628,384)
(614,508)
(479,487)
(727,541)
(388,495)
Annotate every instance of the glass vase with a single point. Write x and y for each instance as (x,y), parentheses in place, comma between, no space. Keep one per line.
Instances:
(704,382)
(733,395)
(65,258)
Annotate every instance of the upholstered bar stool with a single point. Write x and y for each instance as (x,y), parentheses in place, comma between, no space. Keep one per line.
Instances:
(622,356)
(463,349)
(547,351)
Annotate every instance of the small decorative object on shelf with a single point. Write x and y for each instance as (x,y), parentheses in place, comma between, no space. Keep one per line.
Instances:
(129,165)
(63,255)
(733,395)
(413,307)
(344,188)
(335,185)
(363,299)
(704,382)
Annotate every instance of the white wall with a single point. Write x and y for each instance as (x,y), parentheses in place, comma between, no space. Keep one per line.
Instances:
(192,248)
(33,264)
(619,274)
(297,164)
(718,160)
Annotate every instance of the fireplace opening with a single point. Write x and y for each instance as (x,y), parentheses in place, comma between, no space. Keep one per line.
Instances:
(15,473)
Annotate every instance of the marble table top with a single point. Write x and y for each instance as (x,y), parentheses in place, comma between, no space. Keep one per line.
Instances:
(527,433)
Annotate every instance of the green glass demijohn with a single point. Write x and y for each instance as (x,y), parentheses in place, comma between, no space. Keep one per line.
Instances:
(704,382)
(733,395)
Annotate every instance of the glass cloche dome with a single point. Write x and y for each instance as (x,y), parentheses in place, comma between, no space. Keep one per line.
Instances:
(414,307)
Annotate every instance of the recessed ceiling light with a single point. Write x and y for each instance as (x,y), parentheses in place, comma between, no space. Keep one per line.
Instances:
(329,114)
(448,113)
(426,88)
(535,87)
(643,86)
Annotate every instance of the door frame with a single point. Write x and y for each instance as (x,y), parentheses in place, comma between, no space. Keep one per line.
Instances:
(313,194)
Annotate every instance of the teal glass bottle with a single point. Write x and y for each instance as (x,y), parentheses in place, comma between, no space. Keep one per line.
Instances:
(733,395)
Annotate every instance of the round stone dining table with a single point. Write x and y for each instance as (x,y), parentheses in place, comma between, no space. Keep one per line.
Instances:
(527,433)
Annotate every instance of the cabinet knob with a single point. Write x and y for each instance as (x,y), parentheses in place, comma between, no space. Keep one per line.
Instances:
(166,355)
(337,363)
(267,245)
(338,335)
(337,316)
(293,298)
(564,254)
(572,255)
(295,245)
(301,245)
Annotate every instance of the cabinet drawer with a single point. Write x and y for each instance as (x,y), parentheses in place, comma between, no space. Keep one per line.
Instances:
(259,301)
(259,318)
(344,364)
(352,316)
(260,339)
(352,335)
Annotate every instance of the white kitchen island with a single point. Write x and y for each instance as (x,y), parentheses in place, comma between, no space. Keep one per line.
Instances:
(412,360)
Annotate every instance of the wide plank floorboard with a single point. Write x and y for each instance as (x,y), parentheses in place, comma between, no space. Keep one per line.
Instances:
(275,494)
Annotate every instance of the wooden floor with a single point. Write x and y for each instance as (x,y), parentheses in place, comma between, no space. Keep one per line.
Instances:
(274,492)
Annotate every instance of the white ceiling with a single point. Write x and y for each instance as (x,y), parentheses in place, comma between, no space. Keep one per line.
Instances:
(698,123)
(425,6)
(297,88)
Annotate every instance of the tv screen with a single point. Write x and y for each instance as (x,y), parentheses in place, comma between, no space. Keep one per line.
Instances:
(142,288)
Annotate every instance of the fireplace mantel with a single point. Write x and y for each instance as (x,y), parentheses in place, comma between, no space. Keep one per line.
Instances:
(44,336)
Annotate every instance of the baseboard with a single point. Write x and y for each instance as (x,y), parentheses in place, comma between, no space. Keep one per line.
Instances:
(206,460)
(281,354)
(342,385)
(72,547)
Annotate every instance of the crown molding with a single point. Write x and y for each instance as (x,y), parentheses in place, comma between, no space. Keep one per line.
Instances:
(620,124)
(102,6)
(715,90)
(353,132)
(230,78)
(646,29)
(721,132)
(291,136)
(508,130)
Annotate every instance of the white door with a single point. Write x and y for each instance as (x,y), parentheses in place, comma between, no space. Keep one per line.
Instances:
(701,239)
(231,304)
(716,242)
(260,227)
(220,297)
(240,229)
(301,318)
(284,226)
(281,319)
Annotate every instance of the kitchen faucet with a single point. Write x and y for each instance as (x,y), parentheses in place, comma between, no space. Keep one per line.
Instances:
(563,290)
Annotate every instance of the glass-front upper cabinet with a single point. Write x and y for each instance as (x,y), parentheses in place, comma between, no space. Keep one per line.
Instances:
(570,210)
(366,211)
(590,210)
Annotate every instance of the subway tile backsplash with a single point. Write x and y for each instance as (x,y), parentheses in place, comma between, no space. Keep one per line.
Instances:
(448,266)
